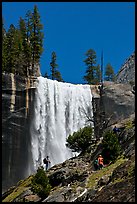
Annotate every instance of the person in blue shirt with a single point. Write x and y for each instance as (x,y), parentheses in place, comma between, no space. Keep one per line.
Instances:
(116,130)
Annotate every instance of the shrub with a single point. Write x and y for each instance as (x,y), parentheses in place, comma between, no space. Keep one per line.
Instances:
(40,183)
(129,124)
(111,147)
(80,140)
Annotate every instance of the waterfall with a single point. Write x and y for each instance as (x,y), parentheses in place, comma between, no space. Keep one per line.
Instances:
(13,85)
(60,109)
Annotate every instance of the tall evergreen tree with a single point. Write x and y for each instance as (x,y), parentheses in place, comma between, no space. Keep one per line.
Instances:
(19,55)
(36,36)
(23,46)
(109,73)
(10,49)
(53,65)
(26,46)
(3,47)
(92,72)
(28,24)
(97,78)
(55,74)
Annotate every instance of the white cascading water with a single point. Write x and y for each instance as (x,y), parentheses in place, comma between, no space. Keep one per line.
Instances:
(60,109)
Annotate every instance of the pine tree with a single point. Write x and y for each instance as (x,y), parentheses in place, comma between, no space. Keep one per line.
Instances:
(28,24)
(40,183)
(10,49)
(55,74)
(36,36)
(23,46)
(111,148)
(58,76)
(46,75)
(26,46)
(97,78)
(19,57)
(92,72)
(80,141)
(109,73)
(3,47)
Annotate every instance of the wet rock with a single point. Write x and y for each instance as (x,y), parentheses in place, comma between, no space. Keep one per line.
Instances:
(17,113)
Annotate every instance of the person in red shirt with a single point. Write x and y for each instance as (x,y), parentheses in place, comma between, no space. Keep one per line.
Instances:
(100,161)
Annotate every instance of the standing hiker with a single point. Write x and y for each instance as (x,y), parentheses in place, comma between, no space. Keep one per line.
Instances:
(100,161)
(46,161)
(116,130)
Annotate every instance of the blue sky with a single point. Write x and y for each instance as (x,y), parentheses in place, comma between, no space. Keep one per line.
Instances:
(71,28)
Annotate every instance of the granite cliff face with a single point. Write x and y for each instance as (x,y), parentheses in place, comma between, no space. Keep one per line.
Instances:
(118,100)
(17,111)
(126,73)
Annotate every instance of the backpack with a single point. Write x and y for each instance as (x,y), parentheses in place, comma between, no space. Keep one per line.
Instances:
(45,161)
(96,162)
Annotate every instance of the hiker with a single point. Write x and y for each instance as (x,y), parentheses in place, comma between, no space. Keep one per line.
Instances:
(46,161)
(96,164)
(100,161)
(116,130)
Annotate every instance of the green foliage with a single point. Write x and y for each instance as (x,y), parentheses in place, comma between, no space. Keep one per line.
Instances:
(36,36)
(40,183)
(93,72)
(109,73)
(129,125)
(3,47)
(111,147)
(55,74)
(131,170)
(79,141)
(22,46)
(10,49)
(97,75)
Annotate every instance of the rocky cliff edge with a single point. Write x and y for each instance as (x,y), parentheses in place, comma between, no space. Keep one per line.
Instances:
(75,180)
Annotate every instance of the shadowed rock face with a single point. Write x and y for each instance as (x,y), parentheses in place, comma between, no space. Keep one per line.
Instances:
(17,109)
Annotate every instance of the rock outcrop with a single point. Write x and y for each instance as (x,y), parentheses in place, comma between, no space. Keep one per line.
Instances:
(118,101)
(126,73)
(75,180)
